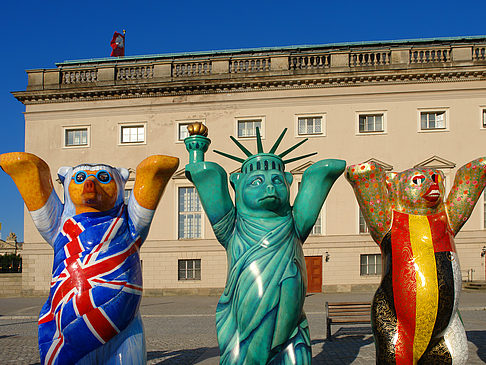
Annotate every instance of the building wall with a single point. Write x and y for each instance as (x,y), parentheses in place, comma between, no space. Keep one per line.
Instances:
(402,145)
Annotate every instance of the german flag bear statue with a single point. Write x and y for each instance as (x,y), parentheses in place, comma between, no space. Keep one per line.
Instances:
(414,311)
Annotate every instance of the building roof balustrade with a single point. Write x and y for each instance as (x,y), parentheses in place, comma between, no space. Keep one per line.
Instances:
(348,64)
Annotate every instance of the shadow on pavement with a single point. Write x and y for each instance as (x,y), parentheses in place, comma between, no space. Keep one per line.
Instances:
(154,304)
(478,338)
(186,356)
(345,345)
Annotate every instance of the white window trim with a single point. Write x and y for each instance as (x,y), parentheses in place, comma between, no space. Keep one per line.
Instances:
(185,121)
(432,110)
(194,279)
(369,275)
(323,116)
(358,209)
(131,124)
(72,127)
(185,184)
(242,119)
(483,211)
(371,112)
(482,108)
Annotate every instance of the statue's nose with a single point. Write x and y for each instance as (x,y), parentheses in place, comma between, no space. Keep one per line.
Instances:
(270,189)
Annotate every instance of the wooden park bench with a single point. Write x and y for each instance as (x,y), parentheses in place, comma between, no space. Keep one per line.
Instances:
(347,313)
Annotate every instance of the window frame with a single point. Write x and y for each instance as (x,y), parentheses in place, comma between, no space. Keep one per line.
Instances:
(443,110)
(359,114)
(121,126)
(178,123)
(186,270)
(323,131)
(65,129)
(483,225)
(178,213)
(360,215)
(482,117)
(249,119)
(368,255)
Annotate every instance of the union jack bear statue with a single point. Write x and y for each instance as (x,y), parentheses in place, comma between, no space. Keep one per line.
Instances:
(92,313)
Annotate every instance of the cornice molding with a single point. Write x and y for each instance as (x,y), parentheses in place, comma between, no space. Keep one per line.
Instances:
(247,84)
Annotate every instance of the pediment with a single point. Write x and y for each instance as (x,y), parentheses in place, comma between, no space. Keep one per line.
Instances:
(385,166)
(180,174)
(436,162)
(238,170)
(300,169)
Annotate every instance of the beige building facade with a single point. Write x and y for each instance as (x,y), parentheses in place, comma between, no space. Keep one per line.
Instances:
(400,103)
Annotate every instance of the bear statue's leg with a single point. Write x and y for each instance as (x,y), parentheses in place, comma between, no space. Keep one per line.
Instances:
(297,350)
(451,348)
(384,324)
(127,347)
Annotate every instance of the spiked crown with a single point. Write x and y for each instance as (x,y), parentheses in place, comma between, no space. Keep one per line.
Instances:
(262,160)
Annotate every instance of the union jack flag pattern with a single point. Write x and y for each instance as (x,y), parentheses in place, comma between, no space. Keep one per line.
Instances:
(96,285)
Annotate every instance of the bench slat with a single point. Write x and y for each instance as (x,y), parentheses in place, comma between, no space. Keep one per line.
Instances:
(347,313)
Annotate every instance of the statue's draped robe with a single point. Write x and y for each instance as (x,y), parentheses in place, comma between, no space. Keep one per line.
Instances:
(260,317)
(95,291)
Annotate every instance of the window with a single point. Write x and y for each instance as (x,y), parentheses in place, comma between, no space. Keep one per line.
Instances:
(370,123)
(76,137)
(317,229)
(484,118)
(190,213)
(126,195)
(432,120)
(189,270)
(309,125)
(363,227)
(370,265)
(247,128)
(183,133)
(484,208)
(133,133)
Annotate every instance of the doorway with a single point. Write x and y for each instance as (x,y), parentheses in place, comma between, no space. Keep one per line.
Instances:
(314,273)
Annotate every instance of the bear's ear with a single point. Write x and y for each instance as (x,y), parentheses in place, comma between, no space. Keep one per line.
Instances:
(289,178)
(124,173)
(234,179)
(390,180)
(62,173)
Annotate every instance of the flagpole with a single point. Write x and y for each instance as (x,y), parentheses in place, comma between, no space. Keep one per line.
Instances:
(124,42)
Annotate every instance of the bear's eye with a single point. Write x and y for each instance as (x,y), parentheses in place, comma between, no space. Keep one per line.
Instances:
(103,176)
(79,177)
(418,179)
(435,178)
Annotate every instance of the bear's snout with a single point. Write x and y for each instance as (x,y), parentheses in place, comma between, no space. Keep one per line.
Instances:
(89,186)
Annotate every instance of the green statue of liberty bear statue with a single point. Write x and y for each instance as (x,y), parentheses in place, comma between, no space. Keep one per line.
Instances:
(260,317)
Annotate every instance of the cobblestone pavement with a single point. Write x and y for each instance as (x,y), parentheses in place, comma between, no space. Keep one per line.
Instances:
(181,330)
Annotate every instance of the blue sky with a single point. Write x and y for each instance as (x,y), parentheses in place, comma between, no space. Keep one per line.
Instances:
(36,34)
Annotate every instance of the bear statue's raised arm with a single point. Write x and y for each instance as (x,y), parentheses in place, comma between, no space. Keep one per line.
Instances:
(369,182)
(469,182)
(211,183)
(32,177)
(316,184)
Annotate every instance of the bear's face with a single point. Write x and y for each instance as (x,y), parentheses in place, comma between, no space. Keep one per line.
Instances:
(262,193)
(417,191)
(92,191)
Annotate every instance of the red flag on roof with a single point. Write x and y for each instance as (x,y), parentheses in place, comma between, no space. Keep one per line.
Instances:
(118,45)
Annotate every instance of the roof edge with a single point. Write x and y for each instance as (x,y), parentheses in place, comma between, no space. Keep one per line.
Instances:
(268,49)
